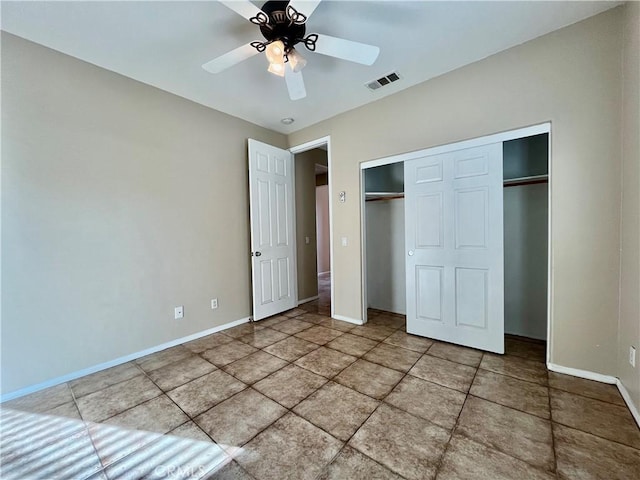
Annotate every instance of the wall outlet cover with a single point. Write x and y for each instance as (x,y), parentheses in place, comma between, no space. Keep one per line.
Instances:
(632,356)
(178,312)
(214,303)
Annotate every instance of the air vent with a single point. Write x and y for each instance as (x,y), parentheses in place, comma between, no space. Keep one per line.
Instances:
(382,81)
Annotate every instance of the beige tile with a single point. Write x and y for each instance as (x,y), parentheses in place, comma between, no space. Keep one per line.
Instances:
(290,385)
(291,348)
(166,457)
(314,318)
(263,337)
(508,391)
(466,459)
(515,367)
(178,373)
(352,344)
(163,357)
(228,471)
(190,430)
(374,332)
(319,335)
(351,464)
(203,393)
(228,353)
(244,329)
(410,342)
(43,400)
(291,441)
(510,431)
(529,350)
(238,419)
(254,367)
(67,410)
(408,445)
(337,324)
(337,409)
(117,398)
(325,361)
(389,321)
(207,343)
(603,419)
(583,456)
(369,378)
(271,321)
(294,313)
(159,415)
(427,400)
(443,372)
(292,325)
(393,357)
(586,388)
(113,442)
(69,455)
(105,378)
(456,353)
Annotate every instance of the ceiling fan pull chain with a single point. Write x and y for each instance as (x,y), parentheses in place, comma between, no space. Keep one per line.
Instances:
(310,41)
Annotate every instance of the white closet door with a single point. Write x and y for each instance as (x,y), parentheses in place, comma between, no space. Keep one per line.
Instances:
(454,246)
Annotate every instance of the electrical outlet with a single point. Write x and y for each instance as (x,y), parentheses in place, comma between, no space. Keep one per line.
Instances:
(179,312)
(307,240)
(344,241)
(632,356)
(214,303)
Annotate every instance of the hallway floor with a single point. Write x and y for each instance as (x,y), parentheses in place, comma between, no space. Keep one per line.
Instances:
(302,396)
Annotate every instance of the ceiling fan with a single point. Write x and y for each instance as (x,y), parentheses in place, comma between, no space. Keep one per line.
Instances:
(283,26)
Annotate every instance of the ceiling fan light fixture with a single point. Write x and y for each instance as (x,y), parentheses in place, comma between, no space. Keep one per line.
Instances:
(296,60)
(276,69)
(275,52)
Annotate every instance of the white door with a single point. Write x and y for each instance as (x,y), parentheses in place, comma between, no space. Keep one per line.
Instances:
(272,229)
(454,247)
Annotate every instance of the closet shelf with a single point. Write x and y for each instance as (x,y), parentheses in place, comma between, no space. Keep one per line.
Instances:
(532,180)
(372,196)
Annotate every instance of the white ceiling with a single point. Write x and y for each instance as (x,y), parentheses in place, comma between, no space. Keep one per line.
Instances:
(164,44)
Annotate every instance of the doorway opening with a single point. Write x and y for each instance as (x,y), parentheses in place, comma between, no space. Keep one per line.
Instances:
(313,231)
(526,235)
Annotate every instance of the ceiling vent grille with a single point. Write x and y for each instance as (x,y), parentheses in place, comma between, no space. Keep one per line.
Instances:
(382,81)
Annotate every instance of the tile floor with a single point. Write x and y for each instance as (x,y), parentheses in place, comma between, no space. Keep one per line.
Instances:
(302,396)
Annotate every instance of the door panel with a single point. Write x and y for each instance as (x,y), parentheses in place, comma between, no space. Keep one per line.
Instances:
(272,242)
(454,242)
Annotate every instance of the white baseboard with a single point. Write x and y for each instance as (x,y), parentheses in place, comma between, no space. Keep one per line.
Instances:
(347,319)
(574,372)
(598,377)
(627,398)
(118,361)
(305,300)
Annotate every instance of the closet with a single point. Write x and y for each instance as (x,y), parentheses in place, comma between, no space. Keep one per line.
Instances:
(384,221)
(525,204)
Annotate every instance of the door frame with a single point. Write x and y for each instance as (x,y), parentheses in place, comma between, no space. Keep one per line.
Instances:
(474,142)
(303,148)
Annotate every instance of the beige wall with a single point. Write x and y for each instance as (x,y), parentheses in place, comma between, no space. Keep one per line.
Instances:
(629,326)
(570,77)
(306,221)
(119,202)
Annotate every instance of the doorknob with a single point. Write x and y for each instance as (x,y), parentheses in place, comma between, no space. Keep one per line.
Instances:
(411,253)
(258,254)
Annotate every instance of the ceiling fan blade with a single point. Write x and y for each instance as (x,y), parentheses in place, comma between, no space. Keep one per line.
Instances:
(346,49)
(295,83)
(242,7)
(305,7)
(229,59)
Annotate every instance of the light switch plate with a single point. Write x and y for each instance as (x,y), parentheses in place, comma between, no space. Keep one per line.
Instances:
(179,312)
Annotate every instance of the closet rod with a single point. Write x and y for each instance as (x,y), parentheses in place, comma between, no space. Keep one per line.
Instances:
(516,182)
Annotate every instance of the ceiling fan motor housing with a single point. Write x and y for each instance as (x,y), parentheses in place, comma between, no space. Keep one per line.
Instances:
(280,25)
